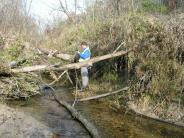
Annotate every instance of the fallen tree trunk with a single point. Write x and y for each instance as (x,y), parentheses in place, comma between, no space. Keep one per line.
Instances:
(89,127)
(103,95)
(69,66)
(56,54)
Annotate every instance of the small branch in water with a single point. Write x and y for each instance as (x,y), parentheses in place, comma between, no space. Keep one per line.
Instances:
(103,95)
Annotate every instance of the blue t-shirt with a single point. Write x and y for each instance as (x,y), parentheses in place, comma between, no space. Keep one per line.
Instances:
(85,54)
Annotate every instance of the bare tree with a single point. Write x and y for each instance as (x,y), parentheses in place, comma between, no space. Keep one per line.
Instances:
(15,18)
(64,9)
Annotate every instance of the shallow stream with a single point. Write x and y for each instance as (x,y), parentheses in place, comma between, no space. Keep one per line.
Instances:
(110,123)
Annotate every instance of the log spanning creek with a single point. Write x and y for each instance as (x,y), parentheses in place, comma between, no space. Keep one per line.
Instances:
(109,123)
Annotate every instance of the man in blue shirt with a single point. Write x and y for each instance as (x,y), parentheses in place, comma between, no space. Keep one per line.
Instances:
(84,55)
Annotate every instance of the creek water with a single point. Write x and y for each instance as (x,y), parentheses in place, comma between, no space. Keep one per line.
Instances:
(110,123)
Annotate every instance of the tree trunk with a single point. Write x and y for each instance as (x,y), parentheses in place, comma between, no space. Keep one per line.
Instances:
(170,3)
(57,54)
(69,66)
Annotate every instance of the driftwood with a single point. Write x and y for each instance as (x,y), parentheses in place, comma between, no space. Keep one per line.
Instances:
(89,127)
(69,66)
(56,54)
(103,95)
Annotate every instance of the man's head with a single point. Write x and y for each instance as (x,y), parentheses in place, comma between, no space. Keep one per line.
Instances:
(84,45)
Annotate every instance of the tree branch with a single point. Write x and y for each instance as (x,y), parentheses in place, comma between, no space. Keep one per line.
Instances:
(103,95)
